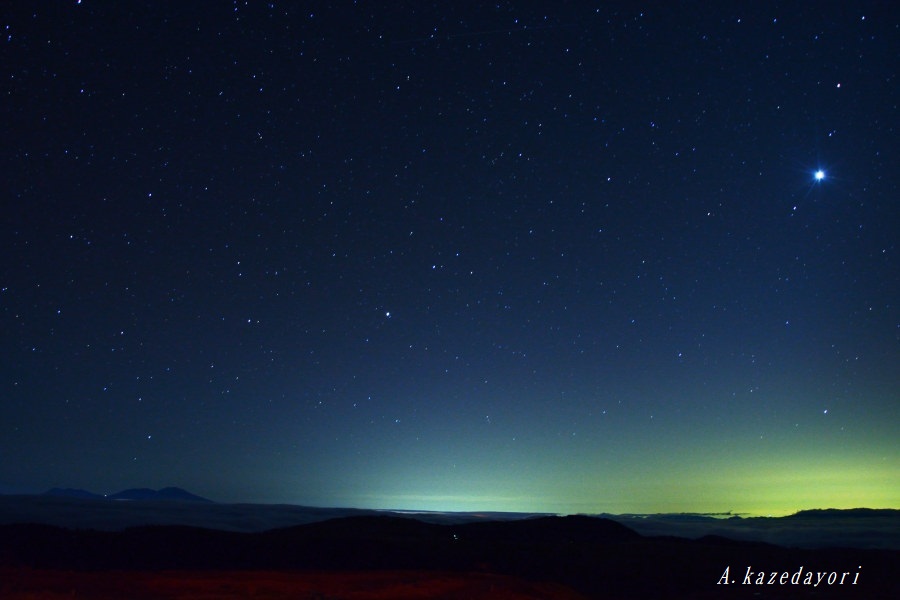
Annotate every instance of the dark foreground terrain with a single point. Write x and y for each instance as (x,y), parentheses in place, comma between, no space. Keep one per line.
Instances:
(393,557)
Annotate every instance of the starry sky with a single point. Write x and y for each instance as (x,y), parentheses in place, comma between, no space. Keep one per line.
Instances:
(557,257)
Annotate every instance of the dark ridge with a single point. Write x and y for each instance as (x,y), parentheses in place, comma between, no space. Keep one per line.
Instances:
(556,530)
(683,516)
(358,542)
(71,493)
(720,540)
(169,493)
(598,558)
(831,513)
(366,527)
(691,517)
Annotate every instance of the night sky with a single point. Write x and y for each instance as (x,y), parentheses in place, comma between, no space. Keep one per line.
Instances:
(453,256)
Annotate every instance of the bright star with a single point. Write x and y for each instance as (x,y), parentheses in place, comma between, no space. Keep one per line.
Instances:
(819,175)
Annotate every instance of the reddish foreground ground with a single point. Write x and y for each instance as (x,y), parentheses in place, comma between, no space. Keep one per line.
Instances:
(32,584)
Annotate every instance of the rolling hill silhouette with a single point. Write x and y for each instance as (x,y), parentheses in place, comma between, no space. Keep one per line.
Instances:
(595,557)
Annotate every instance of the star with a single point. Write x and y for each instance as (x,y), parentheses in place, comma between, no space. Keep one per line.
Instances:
(819,175)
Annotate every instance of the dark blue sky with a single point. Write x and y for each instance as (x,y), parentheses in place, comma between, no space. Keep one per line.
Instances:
(463,256)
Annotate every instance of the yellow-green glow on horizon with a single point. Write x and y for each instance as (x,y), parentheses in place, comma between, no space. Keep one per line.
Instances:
(770,494)
(699,466)
(750,487)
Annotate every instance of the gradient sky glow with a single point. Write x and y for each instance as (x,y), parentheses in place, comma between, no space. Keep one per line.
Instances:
(478,256)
